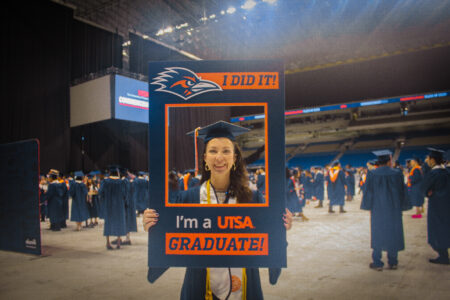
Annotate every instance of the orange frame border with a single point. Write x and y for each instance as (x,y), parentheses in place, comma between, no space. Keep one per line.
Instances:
(266,154)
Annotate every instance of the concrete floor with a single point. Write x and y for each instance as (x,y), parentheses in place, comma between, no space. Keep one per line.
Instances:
(328,258)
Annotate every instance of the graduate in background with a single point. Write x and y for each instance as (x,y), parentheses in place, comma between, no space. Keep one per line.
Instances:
(292,196)
(415,194)
(336,187)
(319,189)
(385,197)
(55,197)
(350,181)
(130,211)
(93,185)
(64,185)
(79,193)
(436,185)
(43,186)
(224,181)
(261,181)
(113,195)
(173,187)
(140,192)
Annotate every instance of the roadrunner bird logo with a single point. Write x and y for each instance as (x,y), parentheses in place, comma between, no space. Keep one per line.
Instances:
(183,83)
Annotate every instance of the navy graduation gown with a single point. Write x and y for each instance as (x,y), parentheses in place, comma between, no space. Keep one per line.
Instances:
(318,186)
(54,196)
(140,193)
(436,185)
(350,182)
(130,208)
(308,186)
(292,200)
(415,192)
(385,197)
(194,284)
(113,195)
(79,210)
(261,183)
(65,203)
(336,190)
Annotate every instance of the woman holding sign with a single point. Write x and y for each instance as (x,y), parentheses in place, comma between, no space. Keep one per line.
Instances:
(224,181)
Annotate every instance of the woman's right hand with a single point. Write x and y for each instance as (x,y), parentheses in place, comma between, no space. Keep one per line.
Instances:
(150,218)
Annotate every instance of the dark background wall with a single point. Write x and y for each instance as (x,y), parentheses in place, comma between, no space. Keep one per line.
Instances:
(43,50)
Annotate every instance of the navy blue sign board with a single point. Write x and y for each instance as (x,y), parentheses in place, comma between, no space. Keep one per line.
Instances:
(20,228)
(217,235)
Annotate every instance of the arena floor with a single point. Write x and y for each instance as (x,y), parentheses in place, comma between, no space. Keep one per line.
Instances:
(328,258)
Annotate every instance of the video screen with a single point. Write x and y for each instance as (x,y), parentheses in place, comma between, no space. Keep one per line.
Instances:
(131,99)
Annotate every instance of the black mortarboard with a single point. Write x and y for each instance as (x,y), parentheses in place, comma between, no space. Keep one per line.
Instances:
(383,155)
(219,129)
(373,162)
(447,155)
(78,174)
(436,153)
(335,163)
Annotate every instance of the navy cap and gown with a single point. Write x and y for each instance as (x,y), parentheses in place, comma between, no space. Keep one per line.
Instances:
(415,179)
(130,208)
(436,185)
(140,192)
(194,284)
(55,196)
(78,191)
(292,199)
(318,184)
(336,185)
(113,195)
(385,197)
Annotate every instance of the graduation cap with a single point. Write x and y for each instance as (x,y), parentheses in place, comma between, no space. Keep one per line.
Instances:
(437,154)
(219,129)
(383,155)
(373,162)
(447,155)
(53,172)
(335,163)
(78,174)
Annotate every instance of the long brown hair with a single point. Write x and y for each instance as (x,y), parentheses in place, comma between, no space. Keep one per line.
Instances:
(238,177)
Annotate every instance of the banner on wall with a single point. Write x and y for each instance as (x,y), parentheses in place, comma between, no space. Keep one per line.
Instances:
(217,235)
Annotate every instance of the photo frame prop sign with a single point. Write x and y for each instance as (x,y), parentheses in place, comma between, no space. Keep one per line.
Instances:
(215,235)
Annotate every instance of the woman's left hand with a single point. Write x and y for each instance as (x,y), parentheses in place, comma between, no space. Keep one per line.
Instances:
(287,218)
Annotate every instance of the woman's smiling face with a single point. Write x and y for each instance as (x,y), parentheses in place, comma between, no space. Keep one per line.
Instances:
(219,156)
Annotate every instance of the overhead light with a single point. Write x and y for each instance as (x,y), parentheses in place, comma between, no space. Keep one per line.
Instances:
(145,36)
(222,12)
(160,32)
(168,30)
(269,1)
(249,4)
(203,19)
(231,10)
(212,16)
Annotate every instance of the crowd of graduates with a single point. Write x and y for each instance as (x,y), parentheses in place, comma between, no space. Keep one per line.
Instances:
(114,196)
(119,197)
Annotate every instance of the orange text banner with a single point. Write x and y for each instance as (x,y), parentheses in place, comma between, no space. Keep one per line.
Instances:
(244,80)
(217,243)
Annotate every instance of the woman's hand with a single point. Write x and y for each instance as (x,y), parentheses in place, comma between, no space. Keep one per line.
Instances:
(150,218)
(287,218)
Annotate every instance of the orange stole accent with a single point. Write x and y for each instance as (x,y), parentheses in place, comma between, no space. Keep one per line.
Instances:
(411,173)
(334,172)
(186,181)
(363,179)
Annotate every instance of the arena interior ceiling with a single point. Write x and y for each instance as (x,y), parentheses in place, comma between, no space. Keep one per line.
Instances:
(306,34)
